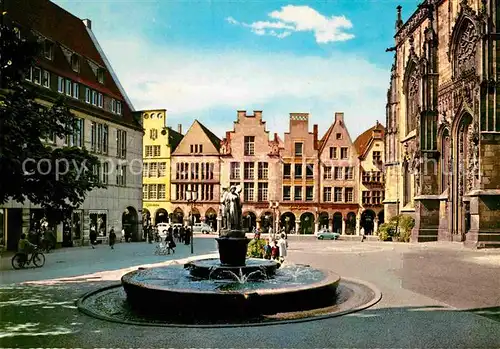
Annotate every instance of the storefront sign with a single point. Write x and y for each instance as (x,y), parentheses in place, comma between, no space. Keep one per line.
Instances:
(152,205)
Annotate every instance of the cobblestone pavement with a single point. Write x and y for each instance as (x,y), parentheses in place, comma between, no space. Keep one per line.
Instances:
(431,293)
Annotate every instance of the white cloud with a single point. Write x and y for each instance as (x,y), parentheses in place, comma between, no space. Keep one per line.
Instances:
(193,83)
(301,19)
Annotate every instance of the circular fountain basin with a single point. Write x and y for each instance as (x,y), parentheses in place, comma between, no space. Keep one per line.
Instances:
(173,293)
(211,269)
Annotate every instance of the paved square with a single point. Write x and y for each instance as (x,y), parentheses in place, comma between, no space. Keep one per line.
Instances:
(432,295)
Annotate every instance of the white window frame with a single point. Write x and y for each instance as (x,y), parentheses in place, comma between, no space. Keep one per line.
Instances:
(94,97)
(46,79)
(68,83)
(88,95)
(76,90)
(29,75)
(100,100)
(113,105)
(37,72)
(118,107)
(60,84)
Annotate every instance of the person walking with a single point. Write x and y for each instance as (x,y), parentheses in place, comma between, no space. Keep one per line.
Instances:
(283,246)
(182,233)
(112,238)
(169,241)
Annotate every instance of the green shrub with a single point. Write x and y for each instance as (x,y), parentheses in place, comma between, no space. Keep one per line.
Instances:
(385,232)
(256,248)
(398,227)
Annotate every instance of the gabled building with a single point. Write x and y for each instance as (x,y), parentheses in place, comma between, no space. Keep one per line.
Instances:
(159,143)
(196,167)
(299,190)
(74,66)
(338,179)
(250,159)
(371,149)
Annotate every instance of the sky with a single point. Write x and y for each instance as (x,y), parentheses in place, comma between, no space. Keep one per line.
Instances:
(207,59)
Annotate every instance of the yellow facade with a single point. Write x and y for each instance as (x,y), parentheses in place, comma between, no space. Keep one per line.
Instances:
(156,166)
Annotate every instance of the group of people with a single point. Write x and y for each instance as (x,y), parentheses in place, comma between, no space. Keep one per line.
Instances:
(111,237)
(276,249)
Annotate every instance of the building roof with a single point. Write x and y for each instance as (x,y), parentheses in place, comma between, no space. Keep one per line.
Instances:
(174,138)
(213,138)
(70,36)
(362,142)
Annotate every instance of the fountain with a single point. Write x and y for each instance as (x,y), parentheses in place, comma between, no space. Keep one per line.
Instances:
(229,290)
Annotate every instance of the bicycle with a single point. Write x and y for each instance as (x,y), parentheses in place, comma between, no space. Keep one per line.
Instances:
(19,260)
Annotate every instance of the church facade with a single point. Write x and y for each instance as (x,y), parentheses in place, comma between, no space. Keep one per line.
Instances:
(443,122)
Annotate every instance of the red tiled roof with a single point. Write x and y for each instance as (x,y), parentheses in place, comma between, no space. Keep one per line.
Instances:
(65,29)
(54,22)
(363,140)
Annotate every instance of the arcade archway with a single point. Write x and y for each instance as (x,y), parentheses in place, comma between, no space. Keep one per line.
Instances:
(368,221)
(307,223)
(266,221)
(380,217)
(287,221)
(195,214)
(211,218)
(178,216)
(130,224)
(161,216)
(337,223)
(324,220)
(146,217)
(350,223)
(249,221)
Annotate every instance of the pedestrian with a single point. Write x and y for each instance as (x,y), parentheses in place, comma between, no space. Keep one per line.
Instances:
(93,236)
(187,237)
(283,246)
(112,238)
(169,240)
(362,233)
(175,232)
(267,250)
(182,233)
(275,250)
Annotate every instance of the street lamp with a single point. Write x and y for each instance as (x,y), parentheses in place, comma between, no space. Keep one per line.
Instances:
(192,196)
(274,206)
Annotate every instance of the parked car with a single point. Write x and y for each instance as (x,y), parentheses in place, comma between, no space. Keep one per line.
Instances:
(202,228)
(327,235)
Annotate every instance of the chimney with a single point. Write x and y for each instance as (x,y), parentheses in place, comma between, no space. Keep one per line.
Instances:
(339,116)
(179,128)
(275,136)
(88,23)
(399,21)
(315,135)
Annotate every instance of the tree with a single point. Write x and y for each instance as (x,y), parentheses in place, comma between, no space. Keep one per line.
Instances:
(56,178)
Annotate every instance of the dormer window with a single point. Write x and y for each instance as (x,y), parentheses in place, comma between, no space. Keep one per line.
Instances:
(48,49)
(75,63)
(100,75)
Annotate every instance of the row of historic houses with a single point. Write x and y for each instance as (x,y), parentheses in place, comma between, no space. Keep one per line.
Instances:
(443,122)
(302,183)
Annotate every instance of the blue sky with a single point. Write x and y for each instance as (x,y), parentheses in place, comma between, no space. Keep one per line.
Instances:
(206,59)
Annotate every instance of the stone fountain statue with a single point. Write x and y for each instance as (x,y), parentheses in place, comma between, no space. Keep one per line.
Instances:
(232,240)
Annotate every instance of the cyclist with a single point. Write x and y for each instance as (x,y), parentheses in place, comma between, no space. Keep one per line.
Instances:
(25,247)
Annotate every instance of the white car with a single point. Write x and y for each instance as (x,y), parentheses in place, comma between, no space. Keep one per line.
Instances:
(202,228)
